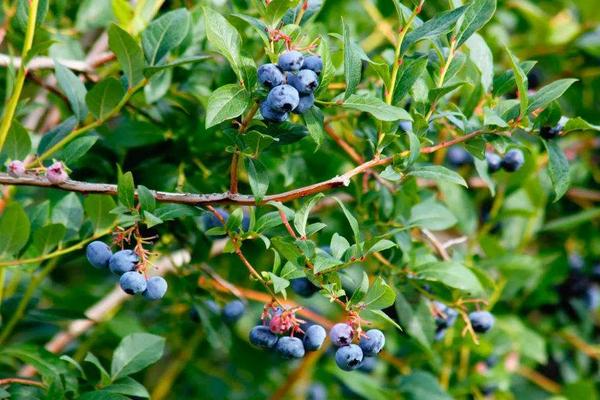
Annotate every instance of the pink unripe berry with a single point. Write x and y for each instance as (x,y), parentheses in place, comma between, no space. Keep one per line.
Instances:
(16,168)
(56,173)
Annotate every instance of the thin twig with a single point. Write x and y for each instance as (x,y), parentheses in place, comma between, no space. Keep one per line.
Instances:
(21,381)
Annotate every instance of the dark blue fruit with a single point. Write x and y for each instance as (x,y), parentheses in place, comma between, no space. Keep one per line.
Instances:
(283,99)
(482,321)
(156,287)
(341,334)
(132,282)
(305,81)
(446,316)
(349,357)
(123,261)
(306,102)
(494,162)
(549,132)
(513,160)
(261,336)
(271,115)
(314,63)
(291,61)
(316,391)
(458,157)
(270,75)
(314,337)
(290,347)
(209,220)
(372,342)
(98,253)
(233,311)
(368,365)
(303,287)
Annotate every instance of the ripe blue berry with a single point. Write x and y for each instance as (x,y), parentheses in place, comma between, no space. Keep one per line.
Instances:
(290,347)
(482,321)
(446,316)
(291,61)
(314,63)
(494,162)
(314,337)
(261,336)
(513,160)
(549,132)
(372,343)
(132,282)
(283,99)
(156,287)
(306,102)
(303,287)
(349,357)
(458,157)
(233,311)
(209,220)
(98,253)
(341,334)
(316,391)
(305,81)
(368,365)
(270,75)
(123,261)
(271,115)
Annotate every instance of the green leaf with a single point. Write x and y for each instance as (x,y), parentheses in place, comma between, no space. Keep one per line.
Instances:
(104,97)
(452,274)
(126,189)
(572,221)
(376,107)
(328,72)
(351,220)
(102,395)
(478,13)
(47,238)
(422,385)
(438,173)
(258,178)
(417,321)
(128,52)
(361,290)
(352,64)
(136,352)
(441,24)
(313,119)
(104,376)
(129,387)
(521,81)
(259,26)
(164,34)
(97,208)
(69,212)
(18,143)
(481,55)
(73,88)
(431,215)
(558,169)
(154,69)
(150,219)
(76,149)
(481,166)
(146,198)
(56,134)
(381,315)
(276,9)
(579,124)
(301,217)
(380,295)
(410,72)
(505,82)
(14,230)
(546,95)
(362,385)
(381,245)
(225,103)
(324,263)
(224,37)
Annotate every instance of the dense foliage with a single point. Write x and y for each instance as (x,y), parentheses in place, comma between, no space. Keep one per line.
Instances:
(417,180)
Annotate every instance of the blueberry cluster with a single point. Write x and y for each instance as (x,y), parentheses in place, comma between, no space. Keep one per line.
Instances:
(350,356)
(512,161)
(123,263)
(292,82)
(289,347)
(445,317)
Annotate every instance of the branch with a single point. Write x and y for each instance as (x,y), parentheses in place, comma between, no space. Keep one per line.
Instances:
(8,381)
(38,63)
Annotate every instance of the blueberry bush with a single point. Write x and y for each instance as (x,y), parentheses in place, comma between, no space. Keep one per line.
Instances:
(300,199)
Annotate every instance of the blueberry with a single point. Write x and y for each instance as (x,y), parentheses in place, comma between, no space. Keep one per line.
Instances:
(56,173)
(261,336)
(290,347)
(306,102)
(303,287)
(291,61)
(98,253)
(132,282)
(592,298)
(316,391)
(233,311)
(156,288)
(270,75)
(494,162)
(283,99)
(482,321)
(314,337)
(313,63)
(305,81)
(372,343)
(458,157)
(123,261)
(349,357)
(440,333)
(368,365)
(549,132)
(209,220)
(576,261)
(16,168)
(446,317)
(513,160)
(406,126)
(341,334)
(491,361)
(271,115)
(596,273)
